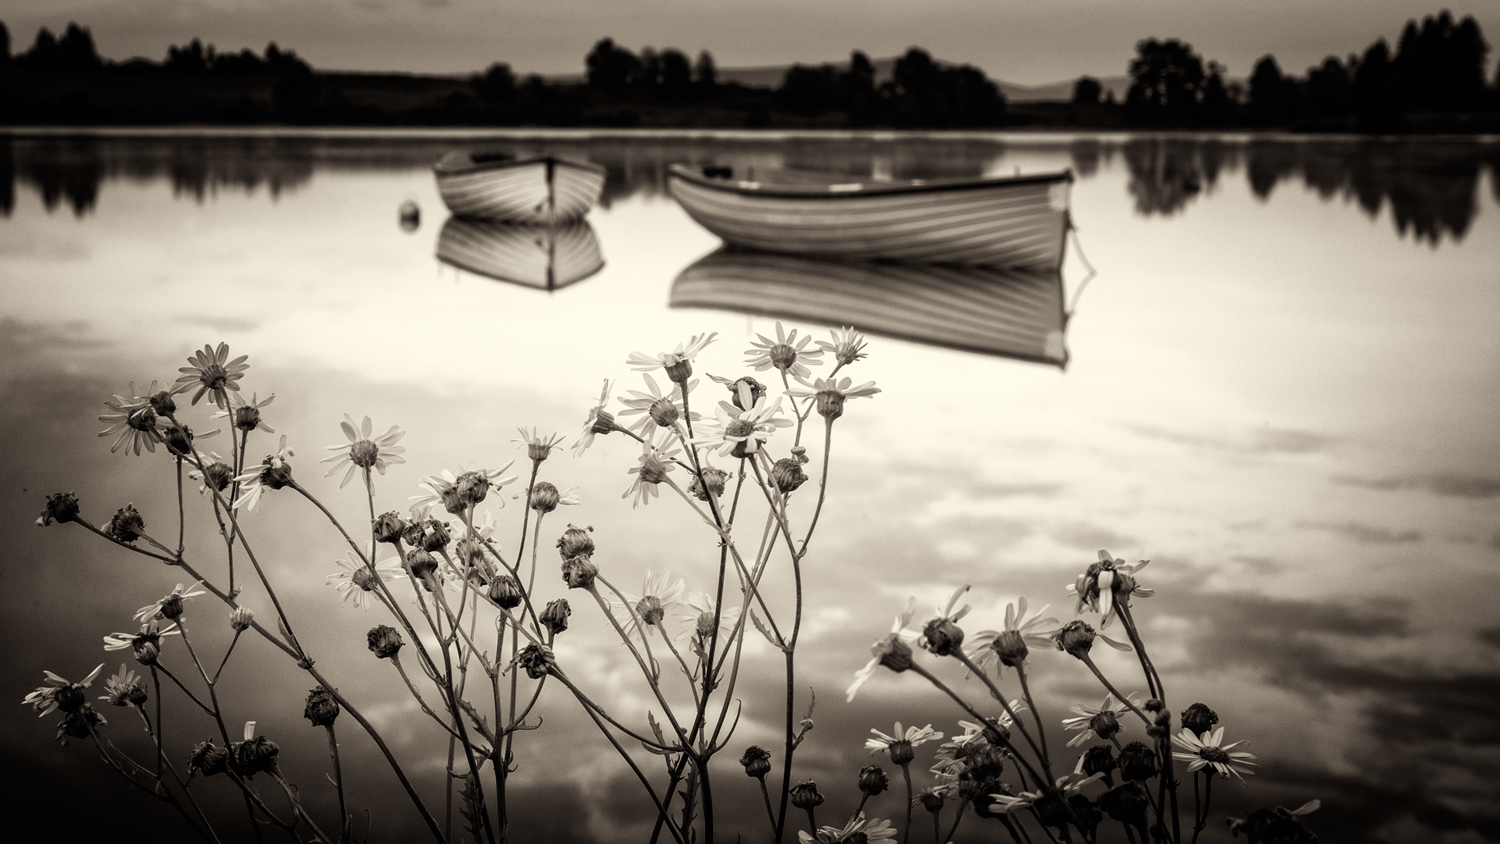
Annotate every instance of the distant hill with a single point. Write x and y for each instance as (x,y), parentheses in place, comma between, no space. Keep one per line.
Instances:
(770,76)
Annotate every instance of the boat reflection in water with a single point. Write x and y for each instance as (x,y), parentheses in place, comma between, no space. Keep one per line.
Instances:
(1011,313)
(540,256)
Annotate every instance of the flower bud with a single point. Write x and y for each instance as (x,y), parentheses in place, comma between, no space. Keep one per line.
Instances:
(62,507)
(472,487)
(575,541)
(873,781)
(1105,725)
(321,708)
(421,563)
(664,412)
(209,759)
(240,619)
(942,637)
(146,650)
(254,756)
(1198,718)
(126,525)
(171,607)
(388,527)
(544,497)
(1075,638)
(894,653)
(428,534)
(178,439)
(679,370)
(604,422)
(757,761)
(931,800)
(1154,705)
(1010,647)
(1137,762)
(805,795)
(1099,759)
(505,592)
(579,572)
(276,473)
(537,660)
(218,476)
(901,752)
(247,418)
(69,698)
(985,760)
(555,616)
(384,641)
(162,403)
(80,724)
(716,479)
(757,391)
(830,404)
(1162,728)
(787,475)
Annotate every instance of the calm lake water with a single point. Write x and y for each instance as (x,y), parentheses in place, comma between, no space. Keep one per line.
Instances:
(1282,388)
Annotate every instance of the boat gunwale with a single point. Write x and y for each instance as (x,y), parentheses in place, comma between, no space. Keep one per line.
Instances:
(740,188)
(479,167)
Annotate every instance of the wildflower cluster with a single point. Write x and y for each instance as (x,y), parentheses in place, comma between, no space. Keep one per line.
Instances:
(468,628)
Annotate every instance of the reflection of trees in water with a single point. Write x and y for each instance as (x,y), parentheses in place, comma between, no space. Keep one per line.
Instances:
(1168,173)
(1429,186)
(7,177)
(74,169)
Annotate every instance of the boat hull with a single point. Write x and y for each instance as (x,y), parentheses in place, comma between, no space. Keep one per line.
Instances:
(1014,313)
(528,190)
(1004,222)
(544,257)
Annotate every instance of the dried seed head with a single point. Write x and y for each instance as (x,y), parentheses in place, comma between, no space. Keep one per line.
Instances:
(1075,638)
(505,592)
(555,616)
(384,641)
(873,780)
(805,795)
(575,541)
(716,480)
(61,507)
(321,709)
(579,571)
(544,497)
(757,761)
(787,475)
(942,637)
(126,525)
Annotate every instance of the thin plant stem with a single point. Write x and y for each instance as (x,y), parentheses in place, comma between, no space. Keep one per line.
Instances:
(906,775)
(338,781)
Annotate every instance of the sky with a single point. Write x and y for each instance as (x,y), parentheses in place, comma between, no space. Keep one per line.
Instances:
(1020,41)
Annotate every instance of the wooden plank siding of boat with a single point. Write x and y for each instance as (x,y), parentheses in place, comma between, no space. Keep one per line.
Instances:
(1014,221)
(544,257)
(1014,313)
(531,190)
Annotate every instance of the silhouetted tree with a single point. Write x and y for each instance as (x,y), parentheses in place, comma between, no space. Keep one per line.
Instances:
(497,86)
(808,90)
(1374,97)
(1440,65)
(43,52)
(4,43)
(75,50)
(676,72)
(648,69)
(704,72)
(1329,89)
(1217,101)
(610,66)
(1166,76)
(1272,95)
(923,93)
(857,89)
(1086,91)
(243,63)
(191,60)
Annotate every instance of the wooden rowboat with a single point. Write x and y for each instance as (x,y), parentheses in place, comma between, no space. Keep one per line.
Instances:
(1010,221)
(1013,313)
(544,257)
(499,186)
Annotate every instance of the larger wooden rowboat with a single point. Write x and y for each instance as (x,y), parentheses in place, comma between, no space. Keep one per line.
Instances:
(499,186)
(544,257)
(1013,313)
(1010,221)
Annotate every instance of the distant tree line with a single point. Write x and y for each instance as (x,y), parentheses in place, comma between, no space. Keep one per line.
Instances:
(1435,75)
(1433,79)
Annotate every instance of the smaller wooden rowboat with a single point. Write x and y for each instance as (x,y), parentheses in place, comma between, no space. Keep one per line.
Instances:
(1008,221)
(544,257)
(1012,313)
(500,186)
